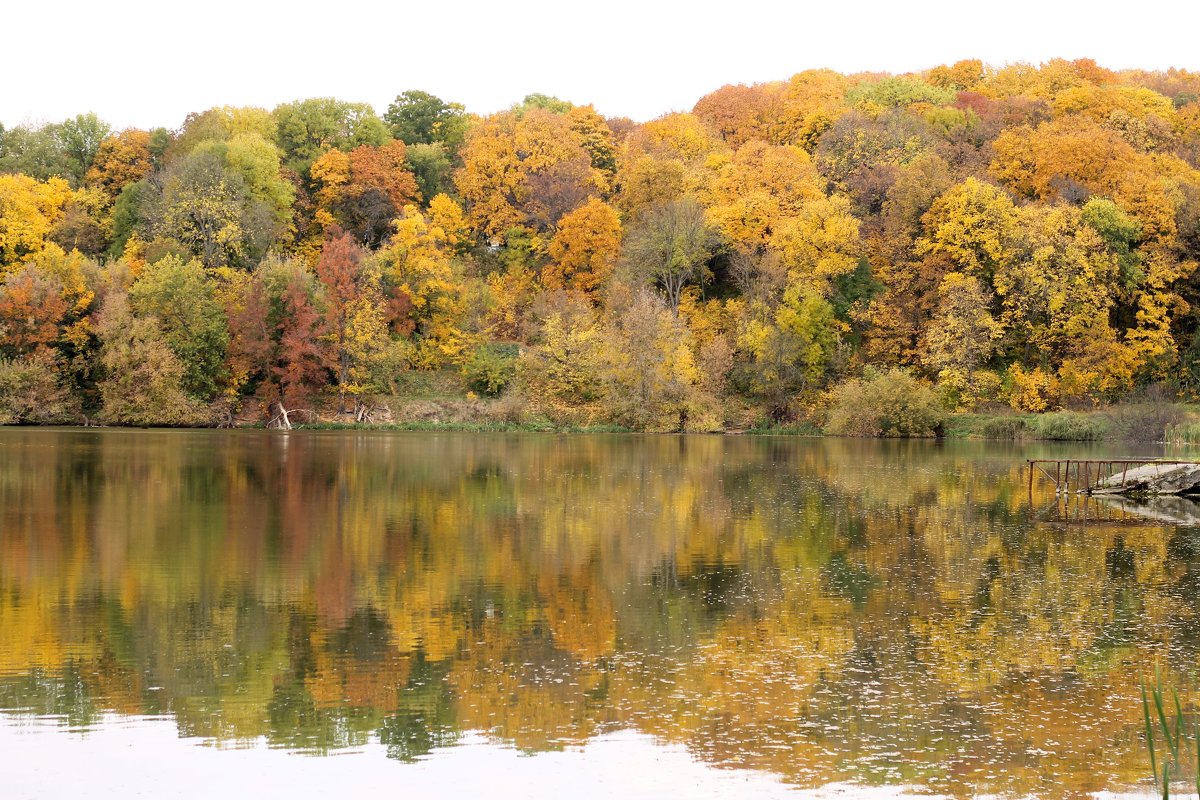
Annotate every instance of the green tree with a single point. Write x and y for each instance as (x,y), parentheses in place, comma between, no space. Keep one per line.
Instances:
(431,167)
(792,349)
(308,128)
(891,403)
(179,296)
(143,379)
(543,101)
(80,139)
(417,117)
(209,208)
(670,247)
(64,149)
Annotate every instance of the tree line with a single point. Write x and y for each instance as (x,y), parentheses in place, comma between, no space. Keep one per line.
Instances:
(1019,235)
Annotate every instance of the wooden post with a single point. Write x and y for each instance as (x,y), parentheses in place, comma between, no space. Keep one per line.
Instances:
(1031,478)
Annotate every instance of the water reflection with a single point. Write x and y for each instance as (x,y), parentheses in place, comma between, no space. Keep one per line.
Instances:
(826,610)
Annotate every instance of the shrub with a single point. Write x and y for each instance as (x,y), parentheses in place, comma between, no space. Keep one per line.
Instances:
(1145,422)
(31,390)
(891,403)
(1069,426)
(491,368)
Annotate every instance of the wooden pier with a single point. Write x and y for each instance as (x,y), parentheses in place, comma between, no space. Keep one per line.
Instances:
(1088,472)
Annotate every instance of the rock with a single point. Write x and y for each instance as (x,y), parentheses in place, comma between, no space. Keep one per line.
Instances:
(1153,479)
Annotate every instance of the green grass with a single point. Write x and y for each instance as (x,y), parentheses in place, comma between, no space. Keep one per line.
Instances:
(1130,421)
(1063,426)
(1004,426)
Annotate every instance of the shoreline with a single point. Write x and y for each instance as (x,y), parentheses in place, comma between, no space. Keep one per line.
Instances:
(1065,426)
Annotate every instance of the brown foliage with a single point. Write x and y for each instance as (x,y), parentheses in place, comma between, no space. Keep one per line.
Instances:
(32,309)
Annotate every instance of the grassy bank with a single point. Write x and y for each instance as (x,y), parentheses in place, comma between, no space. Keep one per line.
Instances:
(536,426)
(1174,423)
(1177,424)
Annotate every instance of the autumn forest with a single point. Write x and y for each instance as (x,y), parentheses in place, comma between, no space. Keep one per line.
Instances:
(971,236)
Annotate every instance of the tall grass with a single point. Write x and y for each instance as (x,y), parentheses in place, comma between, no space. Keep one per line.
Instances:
(1069,426)
(1004,428)
(1184,433)
(1172,727)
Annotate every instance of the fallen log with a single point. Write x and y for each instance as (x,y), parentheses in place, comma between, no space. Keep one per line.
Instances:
(1152,479)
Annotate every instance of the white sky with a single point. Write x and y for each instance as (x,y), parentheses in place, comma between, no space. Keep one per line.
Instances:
(142,63)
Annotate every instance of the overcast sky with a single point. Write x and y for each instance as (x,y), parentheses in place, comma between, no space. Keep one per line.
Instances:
(145,64)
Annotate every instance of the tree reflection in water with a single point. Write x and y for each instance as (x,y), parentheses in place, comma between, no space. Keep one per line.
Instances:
(829,610)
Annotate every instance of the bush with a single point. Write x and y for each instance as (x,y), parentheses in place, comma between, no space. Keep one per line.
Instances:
(891,403)
(1069,426)
(31,391)
(491,368)
(1144,422)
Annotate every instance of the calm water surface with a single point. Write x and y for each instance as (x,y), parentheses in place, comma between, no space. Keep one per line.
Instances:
(526,615)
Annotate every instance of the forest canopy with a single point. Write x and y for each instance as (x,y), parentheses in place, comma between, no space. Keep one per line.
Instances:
(1021,236)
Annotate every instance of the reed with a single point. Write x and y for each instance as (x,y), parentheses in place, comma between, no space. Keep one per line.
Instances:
(1183,433)
(1172,729)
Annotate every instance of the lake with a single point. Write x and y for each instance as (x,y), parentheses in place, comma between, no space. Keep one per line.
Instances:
(185,613)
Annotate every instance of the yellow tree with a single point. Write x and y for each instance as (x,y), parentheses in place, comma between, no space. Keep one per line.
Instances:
(561,371)
(447,216)
(961,75)
(962,334)
(120,160)
(792,346)
(584,249)
(420,275)
(896,316)
(971,225)
(1056,295)
(596,138)
(808,105)
(645,180)
(530,167)
(651,378)
(665,160)
(28,211)
(1073,157)
(758,189)
(820,242)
